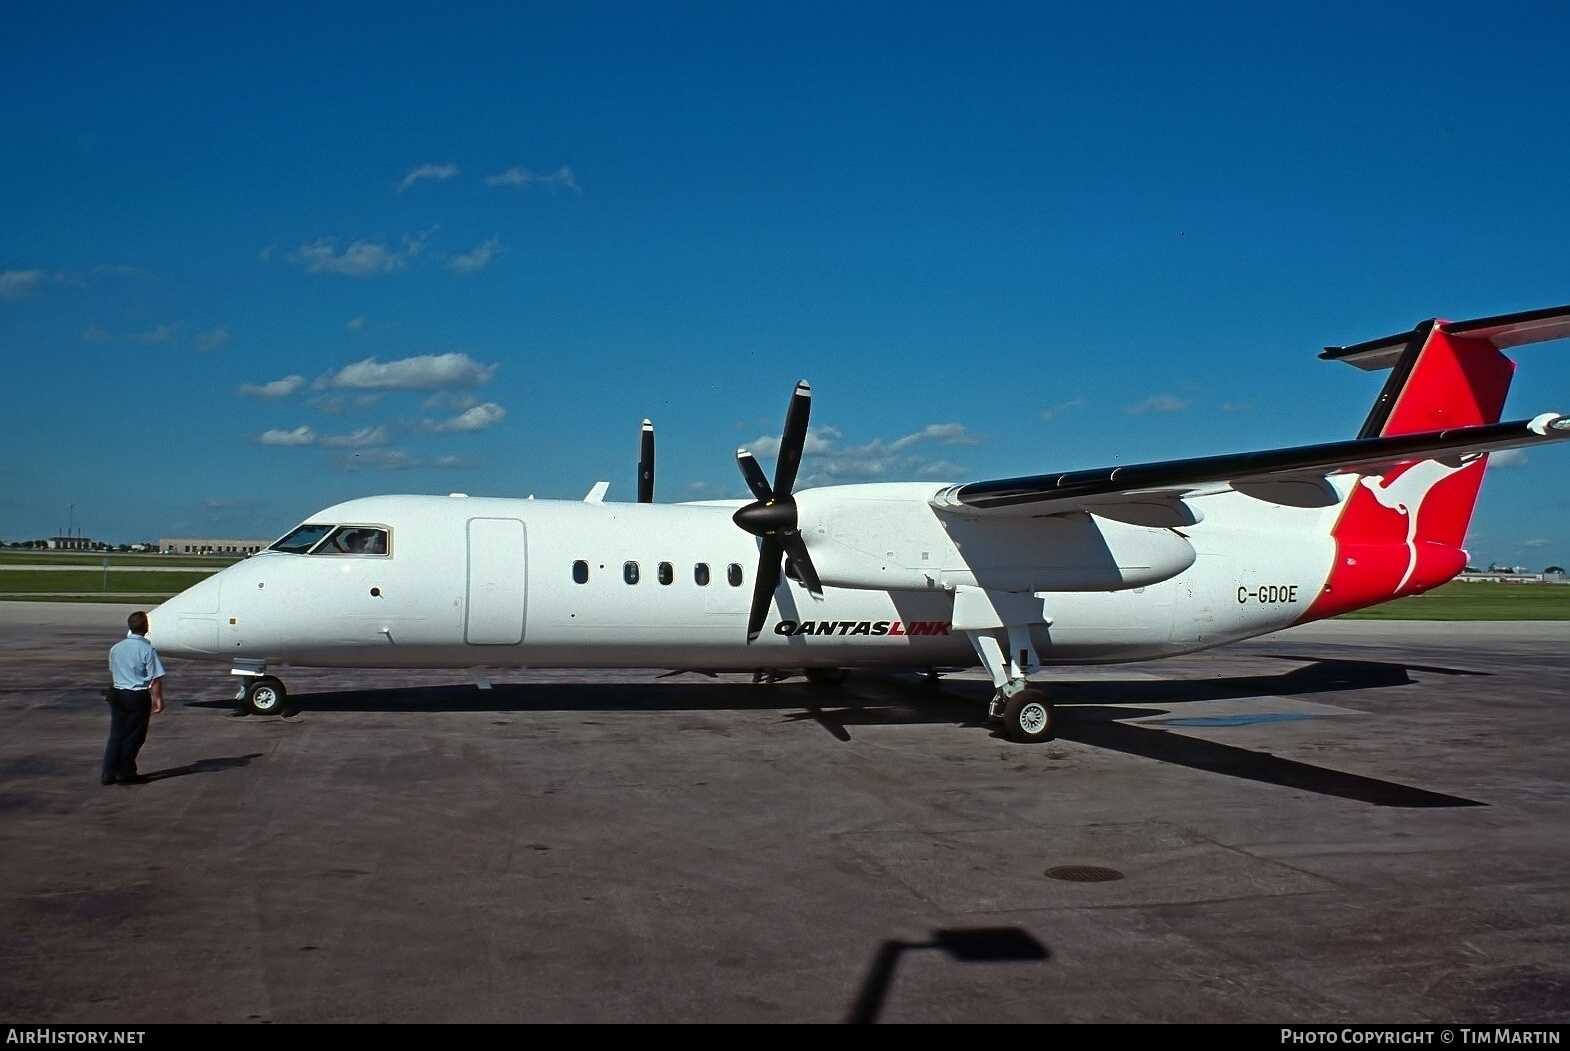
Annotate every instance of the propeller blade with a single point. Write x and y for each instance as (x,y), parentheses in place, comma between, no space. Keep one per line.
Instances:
(646,464)
(763,587)
(793,439)
(796,550)
(757,481)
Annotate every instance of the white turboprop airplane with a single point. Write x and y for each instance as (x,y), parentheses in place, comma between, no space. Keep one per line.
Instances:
(1101,566)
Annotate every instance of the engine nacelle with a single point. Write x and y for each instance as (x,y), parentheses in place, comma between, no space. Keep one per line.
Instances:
(888,537)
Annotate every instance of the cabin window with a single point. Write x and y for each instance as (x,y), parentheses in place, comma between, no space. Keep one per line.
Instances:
(301,540)
(629,572)
(667,573)
(733,574)
(354,540)
(580,572)
(700,574)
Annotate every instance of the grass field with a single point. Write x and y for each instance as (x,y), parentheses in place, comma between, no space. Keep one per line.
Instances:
(14,557)
(1480,600)
(124,585)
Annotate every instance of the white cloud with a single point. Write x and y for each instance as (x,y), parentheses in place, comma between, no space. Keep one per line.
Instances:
(1056,410)
(469,262)
(212,339)
(1507,458)
(277,436)
(433,172)
(523,177)
(422,372)
(365,436)
(276,389)
(1236,406)
(360,259)
(1537,542)
(454,402)
(356,324)
(157,334)
(335,403)
(478,418)
(395,460)
(96,333)
(1158,403)
(820,440)
(877,459)
(19,284)
(942,433)
(377,460)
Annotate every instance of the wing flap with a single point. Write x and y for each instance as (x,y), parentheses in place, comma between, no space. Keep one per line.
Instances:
(1293,473)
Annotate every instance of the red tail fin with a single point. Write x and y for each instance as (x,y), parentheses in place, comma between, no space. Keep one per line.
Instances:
(1400,533)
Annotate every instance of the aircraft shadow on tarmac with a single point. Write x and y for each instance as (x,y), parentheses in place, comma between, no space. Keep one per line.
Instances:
(1091,712)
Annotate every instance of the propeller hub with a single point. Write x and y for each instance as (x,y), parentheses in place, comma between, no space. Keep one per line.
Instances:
(768,518)
(772,516)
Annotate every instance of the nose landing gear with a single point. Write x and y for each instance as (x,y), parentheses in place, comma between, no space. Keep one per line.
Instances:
(262,695)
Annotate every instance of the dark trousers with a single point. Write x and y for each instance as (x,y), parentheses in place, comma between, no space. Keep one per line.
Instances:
(129,712)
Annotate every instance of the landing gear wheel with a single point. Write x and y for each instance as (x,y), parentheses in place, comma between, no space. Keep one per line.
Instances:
(826,676)
(265,696)
(1027,718)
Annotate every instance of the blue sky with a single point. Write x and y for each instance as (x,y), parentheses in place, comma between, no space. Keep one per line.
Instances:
(997,239)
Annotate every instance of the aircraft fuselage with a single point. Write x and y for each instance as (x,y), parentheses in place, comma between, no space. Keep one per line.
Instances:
(469,582)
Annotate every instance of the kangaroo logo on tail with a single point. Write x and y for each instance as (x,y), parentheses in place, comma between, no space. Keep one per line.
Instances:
(1405,494)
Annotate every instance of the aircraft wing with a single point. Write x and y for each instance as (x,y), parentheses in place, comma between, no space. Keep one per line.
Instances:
(1151,493)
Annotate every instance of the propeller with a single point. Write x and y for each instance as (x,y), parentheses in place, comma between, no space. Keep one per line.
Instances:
(646,465)
(772,517)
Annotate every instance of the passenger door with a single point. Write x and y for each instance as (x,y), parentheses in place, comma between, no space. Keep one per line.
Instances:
(496,592)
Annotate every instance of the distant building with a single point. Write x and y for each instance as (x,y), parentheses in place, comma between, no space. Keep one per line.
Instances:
(1512,575)
(69,543)
(182,545)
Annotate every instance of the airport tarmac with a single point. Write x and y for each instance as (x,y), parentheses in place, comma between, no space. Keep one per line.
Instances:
(1357,821)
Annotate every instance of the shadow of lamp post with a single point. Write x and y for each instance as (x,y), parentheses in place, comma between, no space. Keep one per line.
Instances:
(974,945)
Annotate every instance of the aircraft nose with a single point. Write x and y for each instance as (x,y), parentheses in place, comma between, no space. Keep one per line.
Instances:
(163,623)
(187,625)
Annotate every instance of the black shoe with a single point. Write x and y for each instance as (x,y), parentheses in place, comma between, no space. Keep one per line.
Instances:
(108,780)
(134,779)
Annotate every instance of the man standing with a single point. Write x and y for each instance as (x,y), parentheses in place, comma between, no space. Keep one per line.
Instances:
(137,694)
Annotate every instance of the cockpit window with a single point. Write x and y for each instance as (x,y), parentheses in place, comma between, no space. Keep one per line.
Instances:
(354,540)
(302,539)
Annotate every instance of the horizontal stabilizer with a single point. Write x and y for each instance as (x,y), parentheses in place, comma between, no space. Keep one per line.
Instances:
(1504,330)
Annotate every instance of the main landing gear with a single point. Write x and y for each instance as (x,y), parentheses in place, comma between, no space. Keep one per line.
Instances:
(1028,717)
(1025,712)
(260,694)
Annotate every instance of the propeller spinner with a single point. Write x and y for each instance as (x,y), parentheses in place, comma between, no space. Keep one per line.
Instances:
(772,517)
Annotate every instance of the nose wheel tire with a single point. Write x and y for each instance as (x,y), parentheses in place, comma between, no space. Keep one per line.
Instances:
(1028,717)
(265,696)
